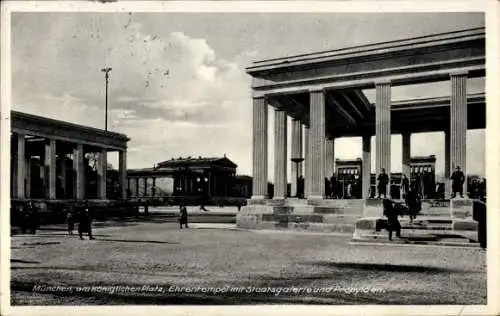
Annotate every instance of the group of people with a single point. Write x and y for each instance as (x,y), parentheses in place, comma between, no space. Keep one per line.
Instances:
(27,218)
(84,220)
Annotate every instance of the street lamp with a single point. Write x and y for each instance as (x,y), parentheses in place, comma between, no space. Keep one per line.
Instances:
(106,76)
(297,161)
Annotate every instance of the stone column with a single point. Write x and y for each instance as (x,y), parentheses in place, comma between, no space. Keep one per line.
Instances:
(307,162)
(78,172)
(458,120)
(122,161)
(383,129)
(447,166)
(406,137)
(62,167)
(28,177)
(317,144)
(367,165)
(259,180)
(50,168)
(20,167)
(329,157)
(280,149)
(101,174)
(296,153)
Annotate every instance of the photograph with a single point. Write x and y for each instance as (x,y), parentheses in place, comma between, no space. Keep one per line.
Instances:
(246,158)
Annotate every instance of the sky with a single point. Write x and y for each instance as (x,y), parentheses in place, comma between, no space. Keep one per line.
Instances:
(178,86)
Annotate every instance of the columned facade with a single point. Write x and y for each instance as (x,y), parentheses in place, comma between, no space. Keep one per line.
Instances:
(296,153)
(383,128)
(367,165)
(280,153)
(458,123)
(259,148)
(317,144)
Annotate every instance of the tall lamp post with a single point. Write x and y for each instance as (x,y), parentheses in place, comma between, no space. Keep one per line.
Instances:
(297,161)
(106,76)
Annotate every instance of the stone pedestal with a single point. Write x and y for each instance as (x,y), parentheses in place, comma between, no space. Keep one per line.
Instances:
(331,216)
(461,211)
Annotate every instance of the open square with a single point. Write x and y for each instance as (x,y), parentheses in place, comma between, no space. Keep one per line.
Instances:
(166,265)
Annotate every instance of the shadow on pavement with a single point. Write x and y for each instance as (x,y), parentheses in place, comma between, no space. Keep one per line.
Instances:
(381,267)
(139,241)
(23,261)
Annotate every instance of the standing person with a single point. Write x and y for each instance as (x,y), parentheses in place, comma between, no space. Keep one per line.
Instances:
(333,185)
(85,224)
(392,214)
(383,180)
(70,222)
(183,219)
(414,203)
(405,186)
(457,184)
(32,218)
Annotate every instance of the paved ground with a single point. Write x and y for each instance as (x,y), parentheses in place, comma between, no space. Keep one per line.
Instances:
(249,267)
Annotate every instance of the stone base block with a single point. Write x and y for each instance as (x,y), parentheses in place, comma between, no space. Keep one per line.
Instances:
(461,208)
(373,208)
(298,217)
(464,224)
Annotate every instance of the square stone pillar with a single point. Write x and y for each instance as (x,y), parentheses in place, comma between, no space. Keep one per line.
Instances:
(20,167)
(259,181)
(78,172)
(101,174)
(406,148)
(307,162)
(383,129)
(122,162)
(329,157)
(447,165)
(296,153)
(62,168)
(367,165)
(280,151)
(50,169)
(317,144)
(27,185)
(458,123)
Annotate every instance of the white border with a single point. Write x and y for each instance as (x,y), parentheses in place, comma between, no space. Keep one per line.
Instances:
(492,9)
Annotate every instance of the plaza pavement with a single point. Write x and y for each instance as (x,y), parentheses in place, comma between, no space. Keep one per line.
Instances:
(155,252)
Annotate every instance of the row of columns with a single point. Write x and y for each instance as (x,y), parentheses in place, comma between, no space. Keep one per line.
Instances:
(319,154)
(22,170)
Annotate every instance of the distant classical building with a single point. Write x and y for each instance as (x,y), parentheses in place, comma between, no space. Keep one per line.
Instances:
(190,177)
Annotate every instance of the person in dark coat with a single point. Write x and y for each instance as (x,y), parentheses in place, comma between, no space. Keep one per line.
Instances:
(71,222)
(383,180)
(32,218)
(333,185)
(414,203)
(183,219)
(85,224)
(457,182)
(392,213)
(405,186)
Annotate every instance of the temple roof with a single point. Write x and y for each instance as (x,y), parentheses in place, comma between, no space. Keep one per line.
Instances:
(196,161)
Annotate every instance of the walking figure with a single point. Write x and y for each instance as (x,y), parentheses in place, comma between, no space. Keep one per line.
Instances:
(414,203)
(457,184)
(383,180)
(405,186)
(70,221)
(392,213)
(85,224)
(183,219)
